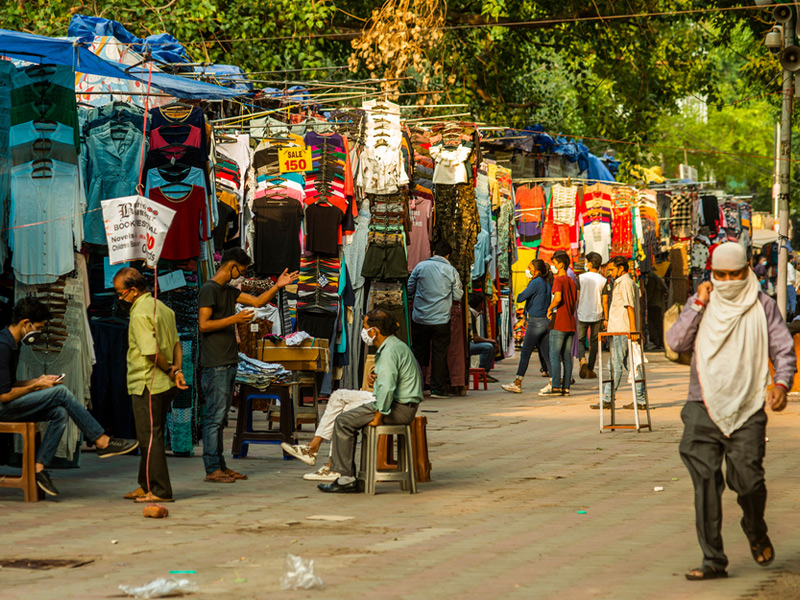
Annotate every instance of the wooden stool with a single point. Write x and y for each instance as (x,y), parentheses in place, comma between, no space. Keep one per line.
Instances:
(478,374)
(370,474)
(419,433)
(26,481)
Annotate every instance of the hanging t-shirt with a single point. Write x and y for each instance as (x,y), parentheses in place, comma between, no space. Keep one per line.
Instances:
(529,212)
(419,247)
(597,238)
(277,233)
(188,225)
(322,229)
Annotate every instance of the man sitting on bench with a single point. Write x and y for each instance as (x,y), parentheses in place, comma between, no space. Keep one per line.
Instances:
(44,399)
(398,392)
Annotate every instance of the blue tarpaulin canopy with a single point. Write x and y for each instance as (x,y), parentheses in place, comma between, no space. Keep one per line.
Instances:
(75,53)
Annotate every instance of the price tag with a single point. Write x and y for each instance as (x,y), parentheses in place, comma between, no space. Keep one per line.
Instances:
(254,327)
(295,160)
(322,281)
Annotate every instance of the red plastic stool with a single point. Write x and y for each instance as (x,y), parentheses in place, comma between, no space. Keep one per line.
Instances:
(478,374)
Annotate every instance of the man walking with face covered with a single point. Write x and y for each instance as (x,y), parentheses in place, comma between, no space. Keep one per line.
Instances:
(735,330)
(219,352)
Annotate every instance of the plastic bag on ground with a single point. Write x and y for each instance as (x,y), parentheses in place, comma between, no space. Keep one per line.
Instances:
(299,574)
(161,588)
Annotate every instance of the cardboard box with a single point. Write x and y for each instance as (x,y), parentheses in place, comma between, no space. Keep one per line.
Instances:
(311,355)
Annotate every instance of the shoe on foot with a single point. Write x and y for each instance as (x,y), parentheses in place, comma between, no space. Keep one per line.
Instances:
(437,394)
(606,405)
(549,391)
(219,476)
(300,452)
(138,493)
(630,406)
(512,387)
(151,497)
(334,487)
(116,447)
(235,475)
(491,379)
(591,375)
(45,483)
(565,392)
(584,372)
(324,473)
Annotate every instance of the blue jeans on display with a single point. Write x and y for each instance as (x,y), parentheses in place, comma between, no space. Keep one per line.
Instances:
(218,383)
(537,335)
(619,357)
(561,358)
(55,405)
(486,351)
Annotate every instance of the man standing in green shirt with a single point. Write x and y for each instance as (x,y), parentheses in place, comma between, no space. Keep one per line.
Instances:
(398,392)
(154,377)
(219,351)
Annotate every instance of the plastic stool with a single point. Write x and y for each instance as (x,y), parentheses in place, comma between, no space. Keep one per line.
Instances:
(27,480)
(244,426)
(369,472)
(478,374)
(422,464)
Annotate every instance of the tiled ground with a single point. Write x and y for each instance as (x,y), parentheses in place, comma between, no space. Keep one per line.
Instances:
(499,520)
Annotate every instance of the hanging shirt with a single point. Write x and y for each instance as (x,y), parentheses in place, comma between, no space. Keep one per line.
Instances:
(419,247)
(277,235)
(189,224)
(322,229)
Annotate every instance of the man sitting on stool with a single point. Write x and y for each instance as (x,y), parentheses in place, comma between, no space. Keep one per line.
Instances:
(398,392)
(44,398)
(486,348)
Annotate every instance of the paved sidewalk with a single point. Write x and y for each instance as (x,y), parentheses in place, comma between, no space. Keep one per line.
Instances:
(499,519)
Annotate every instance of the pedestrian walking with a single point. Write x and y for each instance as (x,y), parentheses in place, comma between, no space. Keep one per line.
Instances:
(562,313)
(735,330)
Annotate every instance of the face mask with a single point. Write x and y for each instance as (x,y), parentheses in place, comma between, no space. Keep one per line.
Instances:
(553,269)
(731,289)
(528,274)
(367,338)
(32,337)
(236,282)
(125,306)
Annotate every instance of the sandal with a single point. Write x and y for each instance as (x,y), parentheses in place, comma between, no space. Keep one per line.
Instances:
(219,477)
(759,549)
(234,474)
(544,373)
(706,572)
(150,497)
(138,493)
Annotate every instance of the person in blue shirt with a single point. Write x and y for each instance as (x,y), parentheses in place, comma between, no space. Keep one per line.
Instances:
(537,298)
(433,286)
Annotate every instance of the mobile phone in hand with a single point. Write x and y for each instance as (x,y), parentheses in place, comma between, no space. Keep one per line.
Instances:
(61,378)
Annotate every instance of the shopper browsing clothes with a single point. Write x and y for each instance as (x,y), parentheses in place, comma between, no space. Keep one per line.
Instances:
(735,331)
(44,399)
(562,312)
(433,286)
(219,353)
(536,296)
(398,392)
(623,317)
(154,377)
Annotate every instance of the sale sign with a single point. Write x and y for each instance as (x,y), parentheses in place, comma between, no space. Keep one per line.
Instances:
(135,229)
(294,160)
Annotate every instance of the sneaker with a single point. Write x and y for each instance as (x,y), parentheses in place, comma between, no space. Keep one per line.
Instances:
(117,446)
(512,387)
(439,395)
(324,473)
(584,372)
(303,453)
(43,481)
(548,391)
(606,405)
(565,392)
(491,379)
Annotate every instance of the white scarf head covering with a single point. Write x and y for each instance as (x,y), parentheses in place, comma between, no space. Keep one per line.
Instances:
(731,348)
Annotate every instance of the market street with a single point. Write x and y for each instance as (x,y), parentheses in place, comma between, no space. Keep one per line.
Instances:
(498,520)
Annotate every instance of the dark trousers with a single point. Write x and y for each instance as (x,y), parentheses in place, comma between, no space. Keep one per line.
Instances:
(537,335)
(349,423)
(655,326)
(593,331)
(702,449)
(159,474)
(430,344)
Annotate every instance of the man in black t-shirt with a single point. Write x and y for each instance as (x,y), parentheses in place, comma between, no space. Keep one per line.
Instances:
(44,398)
(219,352)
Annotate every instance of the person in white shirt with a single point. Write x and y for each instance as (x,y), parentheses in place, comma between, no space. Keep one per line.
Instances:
(791,290)
(590,313)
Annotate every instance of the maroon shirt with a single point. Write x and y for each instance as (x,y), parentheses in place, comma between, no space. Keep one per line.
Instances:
(565,315)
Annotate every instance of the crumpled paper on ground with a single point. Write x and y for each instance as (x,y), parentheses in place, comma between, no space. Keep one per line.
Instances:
(299,574)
